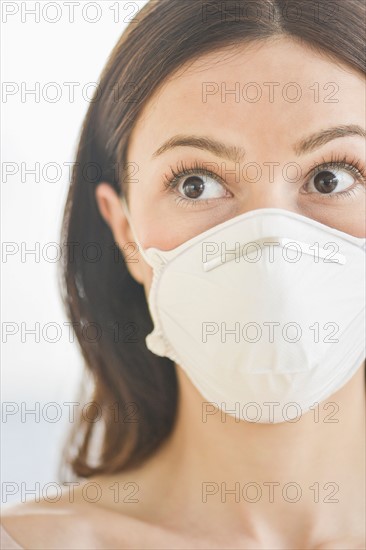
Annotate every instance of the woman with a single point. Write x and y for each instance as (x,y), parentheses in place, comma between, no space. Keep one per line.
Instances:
(222,126)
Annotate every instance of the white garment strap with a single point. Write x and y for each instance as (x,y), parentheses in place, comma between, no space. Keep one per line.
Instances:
(128,216)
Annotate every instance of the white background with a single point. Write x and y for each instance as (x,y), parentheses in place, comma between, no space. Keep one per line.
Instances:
(35,374)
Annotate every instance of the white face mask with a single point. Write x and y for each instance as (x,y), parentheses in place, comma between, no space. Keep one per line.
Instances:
(265,312)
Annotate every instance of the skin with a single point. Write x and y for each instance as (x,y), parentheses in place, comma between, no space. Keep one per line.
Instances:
(170,512)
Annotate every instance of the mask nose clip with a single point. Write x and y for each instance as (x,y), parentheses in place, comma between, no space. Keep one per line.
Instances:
(245,250)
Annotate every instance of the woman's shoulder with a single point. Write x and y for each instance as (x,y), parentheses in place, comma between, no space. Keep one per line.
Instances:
(37,524)
(6,541)
(100,512)
(42,525)
(62,524)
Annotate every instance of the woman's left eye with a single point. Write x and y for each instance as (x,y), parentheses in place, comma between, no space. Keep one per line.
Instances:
(330,181)
(334,178)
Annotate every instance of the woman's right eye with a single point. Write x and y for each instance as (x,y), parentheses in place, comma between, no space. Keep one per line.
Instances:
(195,184)
(201,187)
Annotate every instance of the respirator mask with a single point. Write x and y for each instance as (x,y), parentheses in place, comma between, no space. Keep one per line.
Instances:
(264,312)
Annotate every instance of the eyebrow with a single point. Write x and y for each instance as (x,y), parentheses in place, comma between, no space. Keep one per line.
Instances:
(237,154)
(316,140)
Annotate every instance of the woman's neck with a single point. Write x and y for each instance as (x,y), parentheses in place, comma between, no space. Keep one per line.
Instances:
(268,479)
(287,485)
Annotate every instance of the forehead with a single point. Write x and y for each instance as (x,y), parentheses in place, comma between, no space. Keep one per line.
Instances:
(273,83)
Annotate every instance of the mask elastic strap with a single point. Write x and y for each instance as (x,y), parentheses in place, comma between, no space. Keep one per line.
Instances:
(127,212)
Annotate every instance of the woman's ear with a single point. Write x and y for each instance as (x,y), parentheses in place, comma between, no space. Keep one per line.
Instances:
(111,210)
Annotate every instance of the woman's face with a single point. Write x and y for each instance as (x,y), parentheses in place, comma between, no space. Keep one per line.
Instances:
(256,129)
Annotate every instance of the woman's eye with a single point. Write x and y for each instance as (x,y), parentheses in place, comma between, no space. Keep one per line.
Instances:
(200,187)
(331,180)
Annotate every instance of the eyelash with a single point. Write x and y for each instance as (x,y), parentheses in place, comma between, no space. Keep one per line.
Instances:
(171,180)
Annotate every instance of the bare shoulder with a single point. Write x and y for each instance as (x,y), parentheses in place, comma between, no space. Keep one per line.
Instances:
(64,524)
(353,543)
(118,519)
(40,525)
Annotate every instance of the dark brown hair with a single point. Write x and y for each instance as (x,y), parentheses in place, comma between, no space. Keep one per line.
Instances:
(136,390)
